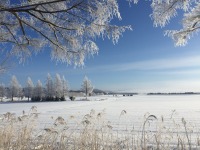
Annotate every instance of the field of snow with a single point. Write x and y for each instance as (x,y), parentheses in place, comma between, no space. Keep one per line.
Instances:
(133,108)
(122,120)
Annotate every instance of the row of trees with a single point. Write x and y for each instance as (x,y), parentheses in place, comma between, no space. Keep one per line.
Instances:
(54,90)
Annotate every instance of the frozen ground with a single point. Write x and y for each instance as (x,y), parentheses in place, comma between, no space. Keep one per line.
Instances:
(179,106)
(126,116)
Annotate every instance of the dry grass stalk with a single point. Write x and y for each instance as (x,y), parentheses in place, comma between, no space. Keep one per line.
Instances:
(93,132)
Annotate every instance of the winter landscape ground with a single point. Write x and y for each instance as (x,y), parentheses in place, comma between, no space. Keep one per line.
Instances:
(136,122)
(133,55)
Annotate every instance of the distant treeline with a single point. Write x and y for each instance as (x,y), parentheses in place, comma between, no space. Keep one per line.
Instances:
(183,93)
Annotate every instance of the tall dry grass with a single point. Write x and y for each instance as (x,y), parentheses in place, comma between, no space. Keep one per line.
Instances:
(94,132)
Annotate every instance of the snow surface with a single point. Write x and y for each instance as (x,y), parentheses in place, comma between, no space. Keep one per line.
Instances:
(176,106)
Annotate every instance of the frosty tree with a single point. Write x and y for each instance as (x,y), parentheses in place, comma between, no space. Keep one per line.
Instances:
(65,87)
(58,86)
(15,87)
(49,86)
(2,91)
(67,27)
(39,90)
(164,10)
(29,90)
(87,86)
(21,92)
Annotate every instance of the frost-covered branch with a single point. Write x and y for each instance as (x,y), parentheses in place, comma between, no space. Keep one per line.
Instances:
(4,64)
(191,25)
(163,11)
(67,27)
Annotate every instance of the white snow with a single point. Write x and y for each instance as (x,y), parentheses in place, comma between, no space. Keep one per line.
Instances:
(187,106)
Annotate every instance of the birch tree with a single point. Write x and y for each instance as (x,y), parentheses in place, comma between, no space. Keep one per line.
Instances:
(29,90)
(39,90)
(49,86)
(164,10)
(58,86)
(65,87)
(67,27)
(14,87)
(87,86)
(2,91)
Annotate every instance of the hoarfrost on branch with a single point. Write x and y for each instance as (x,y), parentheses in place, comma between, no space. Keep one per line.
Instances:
(164,10)
(67,27)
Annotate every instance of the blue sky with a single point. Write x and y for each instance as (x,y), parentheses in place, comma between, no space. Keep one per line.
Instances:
(144,60)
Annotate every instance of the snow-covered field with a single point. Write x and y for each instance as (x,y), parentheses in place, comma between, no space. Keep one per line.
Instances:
(176,107)
(127,117)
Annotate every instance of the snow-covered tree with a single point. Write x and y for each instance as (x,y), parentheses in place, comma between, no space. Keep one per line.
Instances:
(87,86)
(29,90)
(65,87)
(58,86)
(2,91)
(39,90)
(15,87)
(21,92)
(49,86)
(68,27)
(164,10)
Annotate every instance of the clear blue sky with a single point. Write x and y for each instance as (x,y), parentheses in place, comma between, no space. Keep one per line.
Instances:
(144,60)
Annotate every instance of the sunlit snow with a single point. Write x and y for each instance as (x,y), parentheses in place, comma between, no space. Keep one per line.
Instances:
(177,106)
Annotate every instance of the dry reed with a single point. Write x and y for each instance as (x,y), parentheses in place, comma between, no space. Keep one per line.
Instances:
(93,132)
